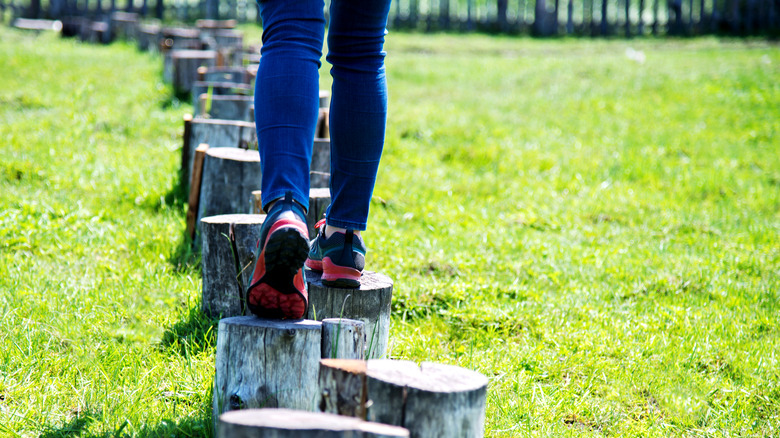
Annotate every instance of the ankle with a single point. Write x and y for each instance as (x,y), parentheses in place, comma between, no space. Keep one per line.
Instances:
(330,229)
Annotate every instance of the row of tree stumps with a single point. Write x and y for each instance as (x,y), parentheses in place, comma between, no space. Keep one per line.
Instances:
(326,375)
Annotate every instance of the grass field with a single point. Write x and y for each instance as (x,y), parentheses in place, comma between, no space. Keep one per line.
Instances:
(596,235)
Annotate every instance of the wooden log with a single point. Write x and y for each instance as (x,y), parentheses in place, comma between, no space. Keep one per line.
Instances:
(370,303)
(227,107)
(194,196)
(323,124)
(186,150)
(149,36)
(223,288)
(216,24)
(266,363)
(125,24)
(229,177)
(320,156)
(343,338)
(430,400)
(37,25)
(319,179)
(220,88)
(324,99)
(287,423)
(185,64)
(319,200)
(219,133)
(236,75)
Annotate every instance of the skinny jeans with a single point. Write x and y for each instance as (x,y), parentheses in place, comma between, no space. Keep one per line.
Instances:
(287,101)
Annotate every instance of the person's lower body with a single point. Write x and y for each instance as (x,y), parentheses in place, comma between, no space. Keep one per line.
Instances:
(286,110)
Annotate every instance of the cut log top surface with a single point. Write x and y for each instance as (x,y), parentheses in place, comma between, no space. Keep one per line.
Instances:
(235,219)
(193,54)
(222,85)
(235,154)
(369,281)
(216,24)
(319,193)
(429,376)
(179,32)
(289,419)
(239,123)
(349,365)
(279,324)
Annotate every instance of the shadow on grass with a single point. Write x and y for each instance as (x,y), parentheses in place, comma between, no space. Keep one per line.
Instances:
(195,333)
(195,426)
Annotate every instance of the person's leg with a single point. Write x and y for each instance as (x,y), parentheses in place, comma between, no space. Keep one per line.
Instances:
(286,107)
(287,95)
(358,113)
(358,108)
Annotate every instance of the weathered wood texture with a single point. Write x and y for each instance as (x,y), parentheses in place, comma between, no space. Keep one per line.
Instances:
(229,177)
(286,423)
(319,200)
(125,24)
(370,304)
(216,24)
(266,363)
(149,36)
(220,88)
(323,124)
(430,400)
(186,64)
(324,98)
(319,179)
(343,338)
(227,107)
(223,289)
(38,25)
(343,387)
(218,133)
(238,75)
(195,182)
(320,155)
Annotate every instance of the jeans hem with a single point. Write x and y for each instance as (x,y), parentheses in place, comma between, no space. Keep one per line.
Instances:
(357,226)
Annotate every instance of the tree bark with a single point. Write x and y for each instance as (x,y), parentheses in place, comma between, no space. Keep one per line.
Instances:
(370,304)
(223,289)
(343,339)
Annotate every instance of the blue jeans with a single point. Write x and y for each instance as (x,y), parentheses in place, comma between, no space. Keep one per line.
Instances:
(287,101)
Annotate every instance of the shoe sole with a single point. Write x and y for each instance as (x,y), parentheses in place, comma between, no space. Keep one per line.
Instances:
(278,293)
(334,275)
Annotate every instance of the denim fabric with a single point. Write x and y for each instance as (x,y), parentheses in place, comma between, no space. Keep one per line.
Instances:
(286,100)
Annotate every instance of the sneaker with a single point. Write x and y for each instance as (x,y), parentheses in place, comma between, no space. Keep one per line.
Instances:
(277,289)
(340,258)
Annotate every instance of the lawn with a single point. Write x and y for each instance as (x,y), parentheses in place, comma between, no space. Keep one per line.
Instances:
(596,234)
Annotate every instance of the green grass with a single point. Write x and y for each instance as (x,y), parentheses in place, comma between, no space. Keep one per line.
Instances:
(597,236)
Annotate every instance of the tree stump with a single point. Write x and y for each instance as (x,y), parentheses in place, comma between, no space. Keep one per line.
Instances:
(220,88)
(237,75)
(323,124)
(343,339)
(194,196)
(324,98)
(223,288)
(319,180)
(125,24)
(217,133)
(431,400)
(227,107)
(266,363)
(319,200)
(286,423)
(229,177)
(320,155)
(216,24)
(185,64)
(370,304)
(149,36)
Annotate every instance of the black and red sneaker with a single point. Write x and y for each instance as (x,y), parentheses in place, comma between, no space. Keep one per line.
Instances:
(340,258)
(278,289)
